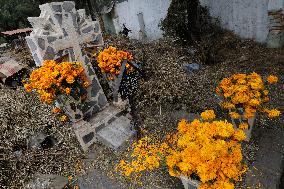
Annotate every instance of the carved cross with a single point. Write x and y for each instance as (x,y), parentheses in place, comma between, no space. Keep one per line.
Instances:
(61,30)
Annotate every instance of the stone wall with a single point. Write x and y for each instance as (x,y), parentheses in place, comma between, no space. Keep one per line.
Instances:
(248,19)
(275,37)
(129,13)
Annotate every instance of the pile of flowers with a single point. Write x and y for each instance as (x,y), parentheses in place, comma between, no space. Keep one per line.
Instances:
(53,79)
(207,150)
(246,91)
(110,61)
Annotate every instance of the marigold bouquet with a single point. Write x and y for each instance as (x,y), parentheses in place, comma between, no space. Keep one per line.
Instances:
(53,79)
(110,61)
(247,91)
(209,151)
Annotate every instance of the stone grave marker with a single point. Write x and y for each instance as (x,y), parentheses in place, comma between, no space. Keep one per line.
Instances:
(62,31)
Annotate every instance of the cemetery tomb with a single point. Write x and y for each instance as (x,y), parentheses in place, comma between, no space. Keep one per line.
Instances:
(62,31)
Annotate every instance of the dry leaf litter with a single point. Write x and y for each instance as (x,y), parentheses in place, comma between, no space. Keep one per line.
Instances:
(165,91)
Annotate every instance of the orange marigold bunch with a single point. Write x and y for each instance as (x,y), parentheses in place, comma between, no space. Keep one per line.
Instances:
(247,91)
(110,61)
(210,151)
(54,78)
(147,156)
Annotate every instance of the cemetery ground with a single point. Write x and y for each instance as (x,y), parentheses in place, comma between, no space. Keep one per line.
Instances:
(167,93)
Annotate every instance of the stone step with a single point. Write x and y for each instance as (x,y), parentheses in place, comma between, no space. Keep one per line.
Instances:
(109,126)
(116,133)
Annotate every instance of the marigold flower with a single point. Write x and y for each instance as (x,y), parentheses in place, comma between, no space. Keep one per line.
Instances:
(28,87)
(254,102)
(246,91)
(228,105)
(243,126)
(56,110)
(272,79)
(208,115)
(182,125)
(63,118)
(265,92)
(211,150)
(68,91)
(86,84)
(70,79)
(234,115)
(49,80)
(273,113)
(239,135)
(110,61)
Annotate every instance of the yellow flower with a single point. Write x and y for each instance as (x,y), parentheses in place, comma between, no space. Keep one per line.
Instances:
(28,87)
(208,115)
(228,105)
(211,150)
(86,84)
(246,91)
(254,102)
(265,92)
(70,79)
(182,125)
(49,79)
(63,118)
(249,112)
(110,60)
(272,79)
(273,113)
(239,135)
(243,126)
(234,115)
(68,91)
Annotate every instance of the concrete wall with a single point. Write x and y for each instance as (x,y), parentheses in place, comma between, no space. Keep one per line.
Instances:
(153,12)
(247,18)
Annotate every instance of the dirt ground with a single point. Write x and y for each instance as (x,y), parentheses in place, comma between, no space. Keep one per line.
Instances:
(166,88)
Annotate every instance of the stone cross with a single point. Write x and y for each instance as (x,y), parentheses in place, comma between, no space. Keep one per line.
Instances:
(62,31)
(59,31)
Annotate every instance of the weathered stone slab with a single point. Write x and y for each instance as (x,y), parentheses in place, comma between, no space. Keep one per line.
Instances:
(108,126)
(42,181)
(116,133)
(85,134)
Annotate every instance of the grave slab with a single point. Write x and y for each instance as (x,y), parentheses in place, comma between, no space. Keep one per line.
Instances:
(116,133)
(109,126)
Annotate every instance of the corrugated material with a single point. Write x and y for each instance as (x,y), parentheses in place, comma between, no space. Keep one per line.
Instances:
(9,68)
(17,31)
